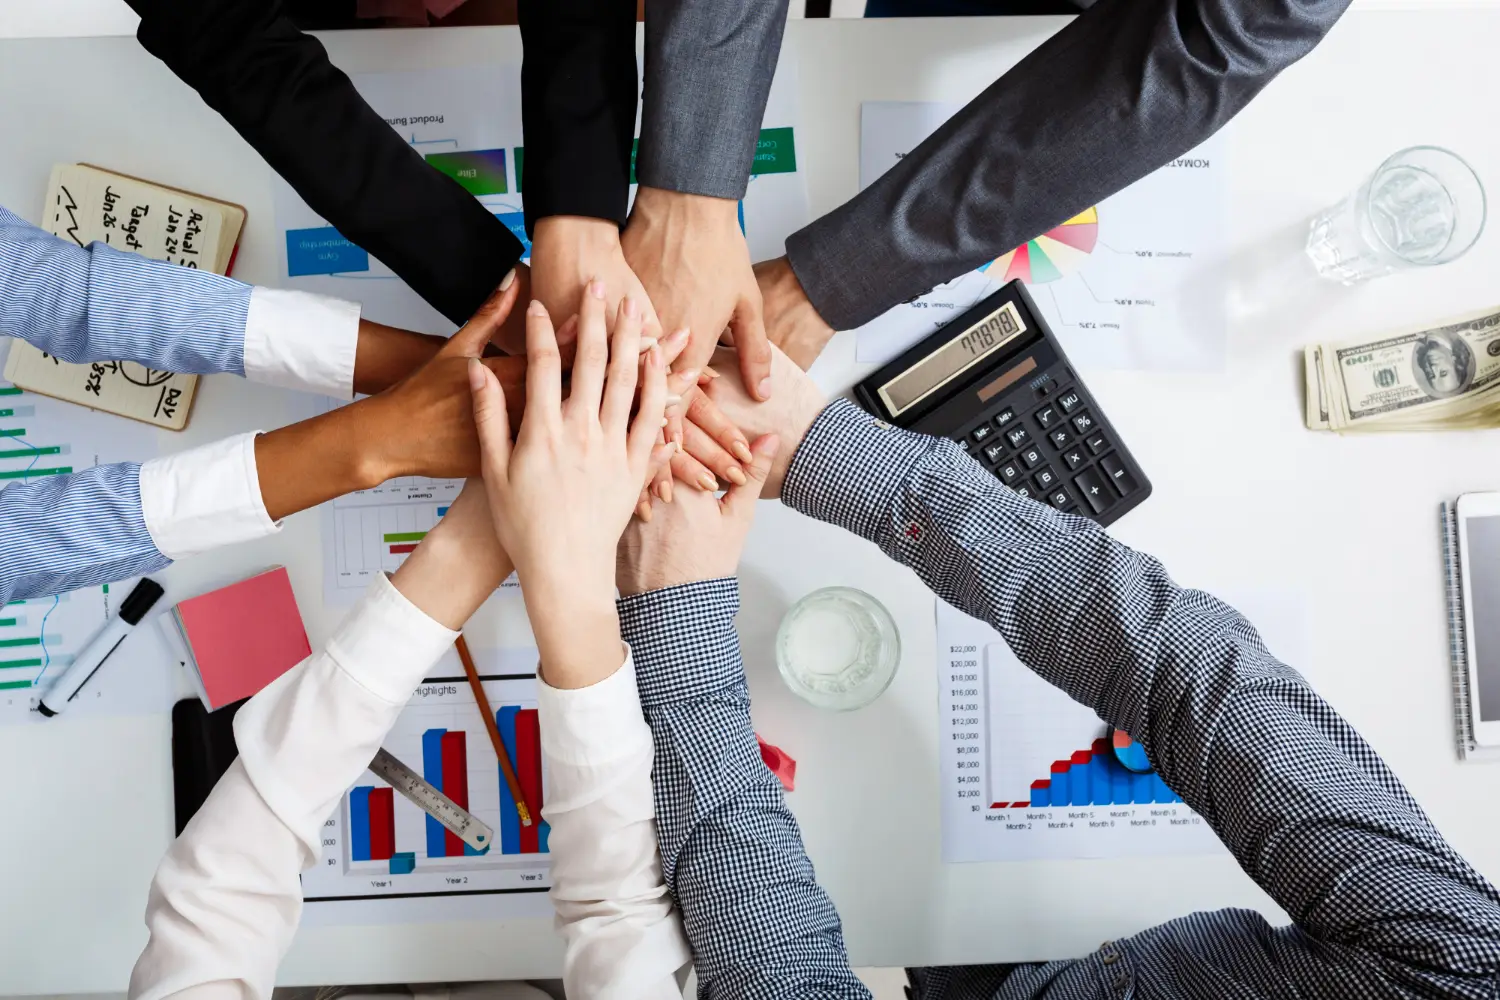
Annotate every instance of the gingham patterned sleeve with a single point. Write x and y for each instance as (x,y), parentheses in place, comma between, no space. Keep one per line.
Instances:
(757,920)
(65,532)
(1383,905)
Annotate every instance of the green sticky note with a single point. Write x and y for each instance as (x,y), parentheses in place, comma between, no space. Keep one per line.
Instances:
(775,152)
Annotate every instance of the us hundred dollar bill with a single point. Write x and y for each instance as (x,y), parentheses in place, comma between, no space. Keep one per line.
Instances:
(1448,375)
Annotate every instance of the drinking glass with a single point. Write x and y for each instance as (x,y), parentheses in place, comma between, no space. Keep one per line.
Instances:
(838,648)
(1422,207)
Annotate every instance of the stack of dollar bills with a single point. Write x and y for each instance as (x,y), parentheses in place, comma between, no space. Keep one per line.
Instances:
(1445,378)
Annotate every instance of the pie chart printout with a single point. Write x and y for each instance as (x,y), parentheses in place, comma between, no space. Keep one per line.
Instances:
(1054,254)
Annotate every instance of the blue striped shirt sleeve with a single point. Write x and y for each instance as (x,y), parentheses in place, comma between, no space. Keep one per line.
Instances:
(100,304)
(66,532)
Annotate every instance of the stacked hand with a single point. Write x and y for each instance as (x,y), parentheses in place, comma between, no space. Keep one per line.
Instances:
(563,492)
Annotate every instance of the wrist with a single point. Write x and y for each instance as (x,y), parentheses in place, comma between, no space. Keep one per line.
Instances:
(696,209)
(372,449)
(384,355)
(577,637)
(577,230)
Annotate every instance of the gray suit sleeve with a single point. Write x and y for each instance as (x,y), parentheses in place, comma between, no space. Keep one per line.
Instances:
(1124,89)
(709,65)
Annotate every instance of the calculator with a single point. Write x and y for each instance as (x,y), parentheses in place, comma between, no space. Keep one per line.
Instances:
(996,380)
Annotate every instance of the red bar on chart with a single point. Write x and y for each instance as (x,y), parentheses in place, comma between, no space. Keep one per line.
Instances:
(455,784)
(529,773)
(401,550)
(382,824)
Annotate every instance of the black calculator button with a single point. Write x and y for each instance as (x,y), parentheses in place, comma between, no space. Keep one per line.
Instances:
(1032,457)
(1005,417)
(1060,438)
(1022,490)
(1017,436)
(1045,478)
(1083,423)
(1059,498)
(1124,482)
(981,432)
(1074,459)
(1093,490)
(1009,473)
(994,452)
(1070,401)
(1046,416)
(1097,443)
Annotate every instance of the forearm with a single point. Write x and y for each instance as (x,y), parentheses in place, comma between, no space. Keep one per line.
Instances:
(65,532)
(578,97)
(758,922)
(1123,89)
(708,73)
(226,900)
(276,87)
(622,936)
(1180,671)
(318,459)
(386,355)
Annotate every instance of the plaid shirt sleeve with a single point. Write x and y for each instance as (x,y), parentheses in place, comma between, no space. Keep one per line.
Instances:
(757,920)
(1382,905)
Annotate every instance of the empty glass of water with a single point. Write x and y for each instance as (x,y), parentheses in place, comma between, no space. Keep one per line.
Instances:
(1423,206)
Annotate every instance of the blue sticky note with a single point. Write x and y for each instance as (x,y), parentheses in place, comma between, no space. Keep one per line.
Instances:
(516,223)
(322,251)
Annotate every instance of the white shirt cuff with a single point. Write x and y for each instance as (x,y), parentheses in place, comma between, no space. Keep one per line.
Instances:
(387,643)
(205,497)
(593,725)
(298,340)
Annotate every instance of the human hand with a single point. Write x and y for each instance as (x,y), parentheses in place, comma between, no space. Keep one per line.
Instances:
(567,253)
(797,403)
(691,257)
(424,425)
(458,565)
(792,323)
(563,493)
(700,537)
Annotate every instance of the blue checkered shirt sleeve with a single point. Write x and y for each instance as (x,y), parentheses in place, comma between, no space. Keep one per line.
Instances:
(101,304)
(758,922)
(1382,905)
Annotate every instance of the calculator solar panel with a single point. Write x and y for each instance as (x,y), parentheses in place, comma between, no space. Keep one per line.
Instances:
(997,381)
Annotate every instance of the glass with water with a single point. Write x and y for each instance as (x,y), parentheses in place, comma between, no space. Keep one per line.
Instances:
(1424,206)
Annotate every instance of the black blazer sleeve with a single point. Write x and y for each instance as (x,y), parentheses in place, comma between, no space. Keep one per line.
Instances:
(578,101)
(275,86)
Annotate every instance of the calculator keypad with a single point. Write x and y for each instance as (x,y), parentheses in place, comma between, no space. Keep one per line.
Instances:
(1071,466)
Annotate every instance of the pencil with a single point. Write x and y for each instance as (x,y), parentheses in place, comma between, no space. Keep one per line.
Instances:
(494,730)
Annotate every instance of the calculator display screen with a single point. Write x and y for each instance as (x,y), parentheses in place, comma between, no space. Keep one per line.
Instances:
(952,359)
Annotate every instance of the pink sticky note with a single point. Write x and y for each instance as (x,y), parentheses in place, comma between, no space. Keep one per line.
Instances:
(780,762)
(244,636)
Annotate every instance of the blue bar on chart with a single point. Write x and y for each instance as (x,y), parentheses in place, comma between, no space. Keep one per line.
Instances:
(403,863)
(359,823)
(510,820)
(432,770)
(442,511)
(1094,777)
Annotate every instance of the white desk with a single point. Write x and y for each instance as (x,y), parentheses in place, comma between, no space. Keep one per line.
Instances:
(1244,498)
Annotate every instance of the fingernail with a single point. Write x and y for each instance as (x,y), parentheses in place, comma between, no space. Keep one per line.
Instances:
(654,357)
(596,288)
(647,343)
(678,337)
(665,421)
(643,511)
(709,371)
(689,377)
(508,280)
(742,452)
(672,447)
(735,475)
(677,437)
(764,389)
(664,490)
(476,374)
(673,399)
(632,310)
(708,482)
(536,308)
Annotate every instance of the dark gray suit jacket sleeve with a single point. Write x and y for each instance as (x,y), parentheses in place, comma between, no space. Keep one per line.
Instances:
(1125,88)
(709,65)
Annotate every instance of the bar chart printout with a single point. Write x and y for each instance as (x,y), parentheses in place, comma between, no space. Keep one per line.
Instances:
(378,844)
(1029,773)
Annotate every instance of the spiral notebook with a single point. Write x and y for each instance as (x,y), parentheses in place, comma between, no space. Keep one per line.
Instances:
(1458,657)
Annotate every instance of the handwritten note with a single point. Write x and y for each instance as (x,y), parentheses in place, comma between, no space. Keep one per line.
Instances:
(86,204)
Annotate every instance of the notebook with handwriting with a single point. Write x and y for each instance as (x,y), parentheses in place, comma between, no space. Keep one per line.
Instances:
(240,638)
(85,204)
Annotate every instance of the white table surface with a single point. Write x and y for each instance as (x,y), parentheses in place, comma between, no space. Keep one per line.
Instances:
(1244,498)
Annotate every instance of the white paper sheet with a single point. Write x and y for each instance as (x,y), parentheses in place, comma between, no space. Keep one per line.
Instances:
(1143,286)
